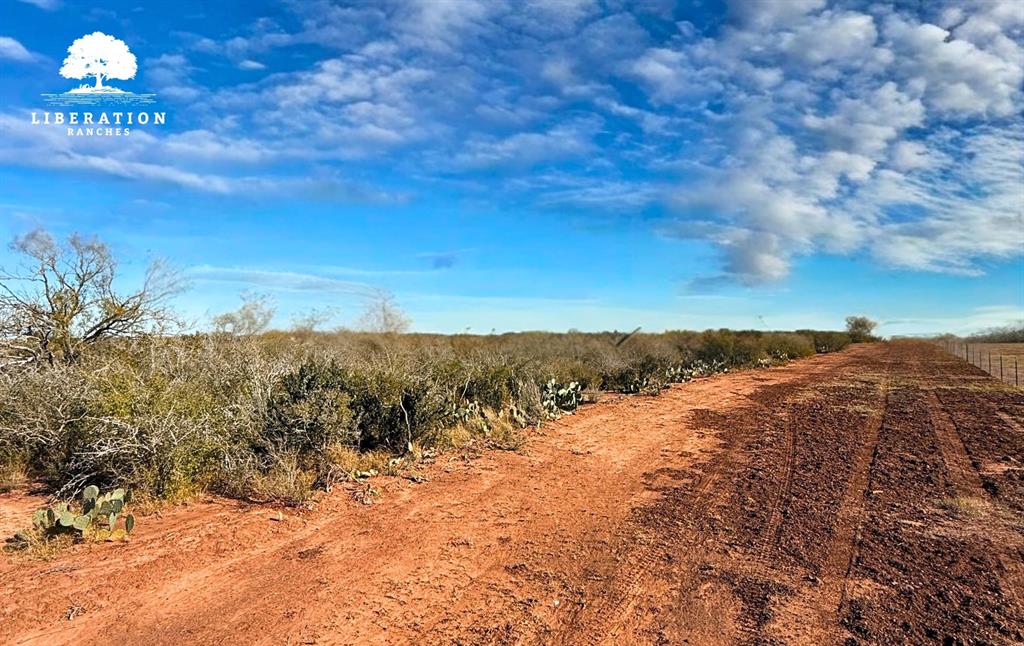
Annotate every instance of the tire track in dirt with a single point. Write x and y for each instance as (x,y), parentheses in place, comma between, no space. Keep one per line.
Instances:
(850,522)
(617,591)
(622,586)
(770,538)
(927,573)
(608,620)
(962,473)
(813,614)
(1012,423)
(669,533)
(759,574)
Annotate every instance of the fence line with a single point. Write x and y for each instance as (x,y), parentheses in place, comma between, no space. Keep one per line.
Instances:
(977,355)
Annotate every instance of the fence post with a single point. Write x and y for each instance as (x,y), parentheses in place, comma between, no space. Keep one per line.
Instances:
(1000,367)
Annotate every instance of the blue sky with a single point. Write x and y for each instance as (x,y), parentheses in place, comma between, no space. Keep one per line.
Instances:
(568,163)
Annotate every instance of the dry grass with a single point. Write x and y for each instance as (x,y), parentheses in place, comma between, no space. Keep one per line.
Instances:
(964,506)
(13,476)
(1004,361)
(38,546)
(1004,349)
(353,464)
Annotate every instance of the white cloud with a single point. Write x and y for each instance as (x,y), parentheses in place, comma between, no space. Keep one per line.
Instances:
(829,37)
(974,206)
(45,5)
(12,50)
(171,76)
(529,148)
(209,146)
(853,147)
(442,25)
(281,280)
(867,124)
(956,77)
(196,160)
(351,107)
(795,127)
(768,13)
(978,319)
(911,155)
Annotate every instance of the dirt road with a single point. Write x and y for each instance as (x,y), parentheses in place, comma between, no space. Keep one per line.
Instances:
(870,496)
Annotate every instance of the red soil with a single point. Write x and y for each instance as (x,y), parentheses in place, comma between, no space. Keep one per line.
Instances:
(870,496)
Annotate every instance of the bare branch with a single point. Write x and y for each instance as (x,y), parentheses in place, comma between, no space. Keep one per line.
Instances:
(63,299)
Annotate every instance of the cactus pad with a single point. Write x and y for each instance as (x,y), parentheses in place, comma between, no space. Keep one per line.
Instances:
(90,493)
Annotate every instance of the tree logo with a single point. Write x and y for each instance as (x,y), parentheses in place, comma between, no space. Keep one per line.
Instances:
(98,56)
(97,59)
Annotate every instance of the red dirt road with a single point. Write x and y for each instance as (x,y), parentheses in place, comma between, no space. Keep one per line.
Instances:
(870,496)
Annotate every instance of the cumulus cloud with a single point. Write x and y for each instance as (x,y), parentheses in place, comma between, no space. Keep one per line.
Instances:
(777,130)
(956,77)
(762,14)
(881,131)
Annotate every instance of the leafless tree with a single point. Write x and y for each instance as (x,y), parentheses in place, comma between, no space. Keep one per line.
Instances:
(253,317)
(382,314)
(313,319)
(61,298)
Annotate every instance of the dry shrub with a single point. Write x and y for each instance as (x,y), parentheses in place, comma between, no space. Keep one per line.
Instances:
(279,478)
(274,417)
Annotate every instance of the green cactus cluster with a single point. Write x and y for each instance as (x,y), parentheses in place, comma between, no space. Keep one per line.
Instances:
(518,415)
(559,398)
(468,411)
(96,519)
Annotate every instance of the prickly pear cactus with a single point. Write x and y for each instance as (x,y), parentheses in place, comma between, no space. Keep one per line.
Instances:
(90,493)
(559,398)
(96,519)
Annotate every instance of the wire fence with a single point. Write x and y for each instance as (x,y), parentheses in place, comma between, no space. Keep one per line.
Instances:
(1003,361)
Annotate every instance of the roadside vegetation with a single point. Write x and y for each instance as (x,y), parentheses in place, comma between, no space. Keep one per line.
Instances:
(1013,333)
(1008,334)
(100,389)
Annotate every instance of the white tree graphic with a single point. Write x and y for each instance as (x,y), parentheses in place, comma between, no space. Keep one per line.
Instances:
(99,55)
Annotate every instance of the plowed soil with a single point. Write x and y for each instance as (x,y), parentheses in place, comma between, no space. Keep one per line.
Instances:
(873,496)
